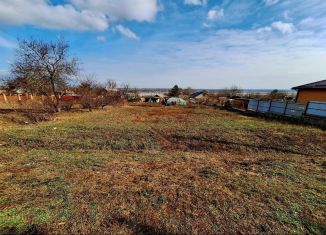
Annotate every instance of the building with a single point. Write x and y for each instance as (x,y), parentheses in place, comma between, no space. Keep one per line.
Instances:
(198,95)
(153,99)
(315,91)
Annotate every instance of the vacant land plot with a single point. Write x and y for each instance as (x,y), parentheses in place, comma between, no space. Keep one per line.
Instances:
(161,170)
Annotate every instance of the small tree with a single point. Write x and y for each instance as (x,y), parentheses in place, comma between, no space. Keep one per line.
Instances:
(92,93)
(44,68)
(175,91)
(113,96)
(230,91)
(276,94)
(133,95)
(234,90)
(111,85)
(125,90)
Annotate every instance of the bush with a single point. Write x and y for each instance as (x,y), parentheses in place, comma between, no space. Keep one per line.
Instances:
(38,117)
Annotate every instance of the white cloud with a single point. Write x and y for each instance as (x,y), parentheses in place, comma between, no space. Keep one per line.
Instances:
(195,2)
(41,13)
(75,14)
(313,23)
(139,10)
(101,38)
(264,30)
(284,28)
(244,58)
(215,14)
(271,2)
(286,15)
(6,43)
(126,32)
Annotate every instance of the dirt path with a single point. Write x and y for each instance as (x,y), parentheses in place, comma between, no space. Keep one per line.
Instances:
(165,142)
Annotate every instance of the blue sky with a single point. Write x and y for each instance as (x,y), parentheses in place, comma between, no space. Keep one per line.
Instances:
(197,43)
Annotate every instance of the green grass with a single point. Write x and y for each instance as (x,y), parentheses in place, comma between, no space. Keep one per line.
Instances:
(12,221)
(171,170)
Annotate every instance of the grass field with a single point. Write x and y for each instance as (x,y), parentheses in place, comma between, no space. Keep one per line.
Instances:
(161,170)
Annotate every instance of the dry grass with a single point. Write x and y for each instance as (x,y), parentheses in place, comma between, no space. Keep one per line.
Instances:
(161,170)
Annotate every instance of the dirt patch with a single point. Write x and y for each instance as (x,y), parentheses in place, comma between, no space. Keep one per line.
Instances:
(164,142)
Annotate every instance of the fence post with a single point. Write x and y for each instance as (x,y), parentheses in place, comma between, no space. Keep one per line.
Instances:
(257,105)
(5,98)
(270,106)
(285,108)
(306,108)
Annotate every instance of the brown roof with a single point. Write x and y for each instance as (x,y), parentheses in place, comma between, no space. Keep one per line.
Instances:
(314,85)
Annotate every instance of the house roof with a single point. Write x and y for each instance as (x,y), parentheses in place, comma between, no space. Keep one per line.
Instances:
(194,95)
(314,85)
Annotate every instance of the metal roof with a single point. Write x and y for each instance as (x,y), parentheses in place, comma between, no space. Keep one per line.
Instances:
(194,95)
(314,85)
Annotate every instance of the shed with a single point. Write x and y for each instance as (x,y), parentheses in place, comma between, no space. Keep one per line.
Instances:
(176,101)
(153,99)
(198,95)
(315,91)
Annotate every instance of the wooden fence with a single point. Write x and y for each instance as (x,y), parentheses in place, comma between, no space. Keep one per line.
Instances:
(23,98)
(19,98)
(290,109)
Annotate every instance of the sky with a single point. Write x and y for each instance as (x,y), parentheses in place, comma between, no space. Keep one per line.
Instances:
(253,44)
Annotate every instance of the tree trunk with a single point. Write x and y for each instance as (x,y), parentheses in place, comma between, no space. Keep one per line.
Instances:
(57,97)
(57,103)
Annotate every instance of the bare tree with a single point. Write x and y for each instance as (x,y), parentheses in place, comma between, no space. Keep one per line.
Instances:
(133,95)
(92,93)
(230,91)
(110,85)
(125,90)
(44,67)
(234,90)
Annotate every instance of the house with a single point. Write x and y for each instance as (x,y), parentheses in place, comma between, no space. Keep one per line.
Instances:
(153,99)
(315,91)
(198,95)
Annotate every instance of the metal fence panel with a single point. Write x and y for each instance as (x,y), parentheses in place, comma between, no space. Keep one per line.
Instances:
(264,106)
(316,109)
(295,110)
(278,107)
(317,105)
(315,112)
(253,105)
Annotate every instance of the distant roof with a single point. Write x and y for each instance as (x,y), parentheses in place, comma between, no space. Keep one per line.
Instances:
(314,85)
(194,95)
